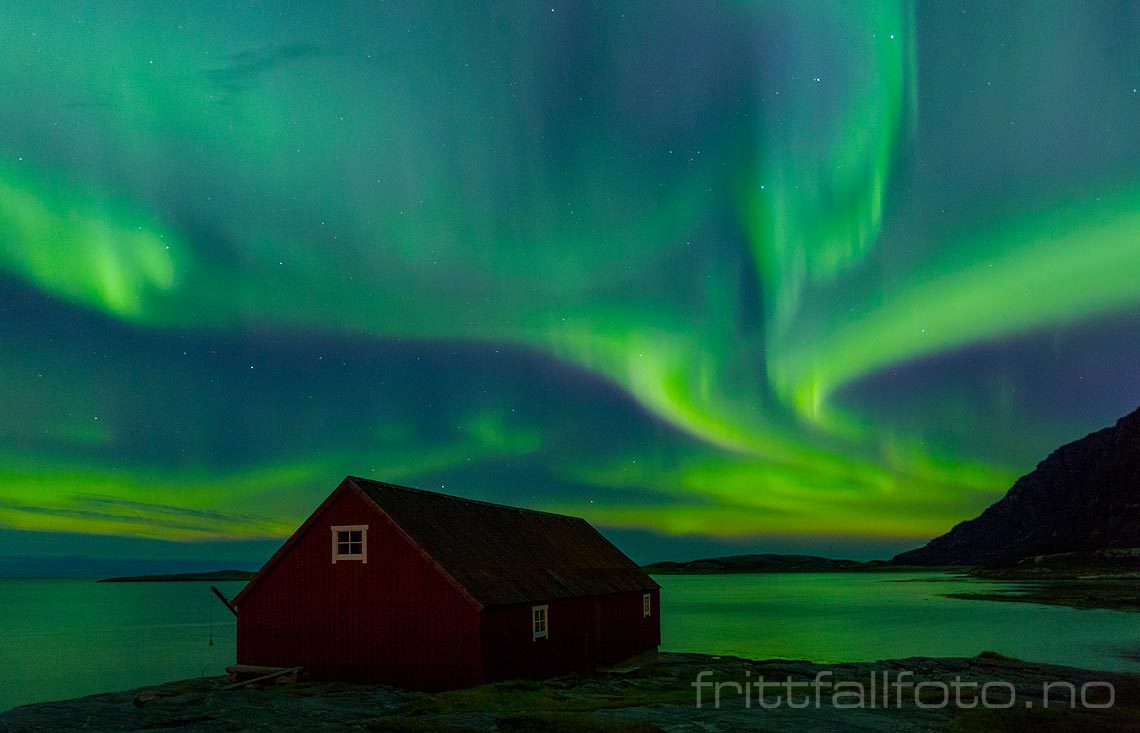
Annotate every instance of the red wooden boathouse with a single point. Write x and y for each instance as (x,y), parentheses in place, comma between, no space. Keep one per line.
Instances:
(390,584)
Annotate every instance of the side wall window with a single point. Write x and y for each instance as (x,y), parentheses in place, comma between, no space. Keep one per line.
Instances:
(646,605)
(539,621)
(350,542)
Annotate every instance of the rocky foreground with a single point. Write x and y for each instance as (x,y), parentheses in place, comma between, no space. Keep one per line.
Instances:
(656,694)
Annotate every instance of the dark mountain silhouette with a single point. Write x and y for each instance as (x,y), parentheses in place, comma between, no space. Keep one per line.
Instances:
(1085,496)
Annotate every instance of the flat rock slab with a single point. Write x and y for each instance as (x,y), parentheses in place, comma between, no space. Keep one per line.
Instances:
(659,695)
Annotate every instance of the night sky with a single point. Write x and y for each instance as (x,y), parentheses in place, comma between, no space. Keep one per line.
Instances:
(813,276)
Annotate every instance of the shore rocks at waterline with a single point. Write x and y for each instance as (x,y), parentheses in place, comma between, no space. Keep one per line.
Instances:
(657,693)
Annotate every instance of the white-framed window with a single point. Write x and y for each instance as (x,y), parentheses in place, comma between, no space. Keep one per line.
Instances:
(539,621)
(646,605)
(350,542)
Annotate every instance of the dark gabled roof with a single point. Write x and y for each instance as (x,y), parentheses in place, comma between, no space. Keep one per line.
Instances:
(501,554)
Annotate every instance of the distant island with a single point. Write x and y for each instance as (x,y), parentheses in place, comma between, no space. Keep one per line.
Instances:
(214,575)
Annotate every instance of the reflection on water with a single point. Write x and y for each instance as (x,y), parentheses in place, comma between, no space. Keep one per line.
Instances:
(835,617)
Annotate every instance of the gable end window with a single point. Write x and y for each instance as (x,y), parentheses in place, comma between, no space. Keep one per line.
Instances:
(350,542)
(646,605)
(539,621)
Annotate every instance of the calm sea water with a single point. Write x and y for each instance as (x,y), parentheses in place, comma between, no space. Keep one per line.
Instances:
(66,638)
(868,616)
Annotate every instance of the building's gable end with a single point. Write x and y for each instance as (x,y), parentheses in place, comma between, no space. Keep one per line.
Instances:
(391,618)
(293,539)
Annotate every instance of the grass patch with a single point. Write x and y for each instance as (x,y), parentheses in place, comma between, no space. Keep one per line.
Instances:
(546,697)
(569,723)
(1122,717)
(413,725)
(1053,720)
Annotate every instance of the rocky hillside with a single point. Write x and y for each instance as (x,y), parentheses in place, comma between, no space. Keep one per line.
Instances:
(1085,496)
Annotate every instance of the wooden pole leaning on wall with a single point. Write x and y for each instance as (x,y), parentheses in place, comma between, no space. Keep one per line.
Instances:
(221,596)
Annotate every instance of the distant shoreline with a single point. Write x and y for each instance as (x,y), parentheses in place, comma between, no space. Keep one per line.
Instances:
(1108,579)
(214,575)
(772,563)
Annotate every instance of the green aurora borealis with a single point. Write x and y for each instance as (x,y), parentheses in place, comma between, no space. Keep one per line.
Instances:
(769,275)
